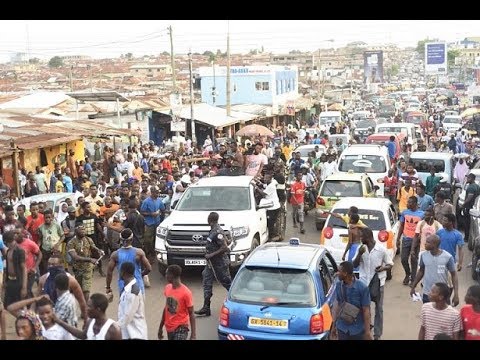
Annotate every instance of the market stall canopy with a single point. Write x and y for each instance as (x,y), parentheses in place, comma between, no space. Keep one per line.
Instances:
(470,112)
(254,130)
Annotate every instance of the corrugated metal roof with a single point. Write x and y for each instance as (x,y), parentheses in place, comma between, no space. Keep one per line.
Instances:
(211,115)
(44,140)
(37,100)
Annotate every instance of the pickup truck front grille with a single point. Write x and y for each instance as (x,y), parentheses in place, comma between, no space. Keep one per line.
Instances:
(187,238)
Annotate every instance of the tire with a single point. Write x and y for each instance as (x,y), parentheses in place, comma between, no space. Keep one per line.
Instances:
(474,267)
(471,241)
(162,269)
(255,243)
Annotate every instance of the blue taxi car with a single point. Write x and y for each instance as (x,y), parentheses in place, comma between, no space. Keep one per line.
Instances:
(282,291)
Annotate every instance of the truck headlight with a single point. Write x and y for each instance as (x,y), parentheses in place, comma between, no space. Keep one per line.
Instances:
(162,232)
(239,232)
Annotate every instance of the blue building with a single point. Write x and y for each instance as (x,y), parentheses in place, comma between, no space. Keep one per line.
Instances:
(263,85)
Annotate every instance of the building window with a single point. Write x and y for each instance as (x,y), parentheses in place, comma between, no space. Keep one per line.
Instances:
(158,70)
(136,70)
(262,85)
(278,87)
(149,70)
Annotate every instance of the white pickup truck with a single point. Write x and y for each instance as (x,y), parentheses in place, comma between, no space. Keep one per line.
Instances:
(181,237)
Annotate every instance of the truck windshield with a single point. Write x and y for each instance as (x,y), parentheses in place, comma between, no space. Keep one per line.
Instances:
(215,198)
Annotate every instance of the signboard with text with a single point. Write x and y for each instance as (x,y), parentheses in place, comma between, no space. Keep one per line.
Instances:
(435,58)
(373,67)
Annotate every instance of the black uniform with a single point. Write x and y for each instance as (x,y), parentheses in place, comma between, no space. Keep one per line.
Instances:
(217,266)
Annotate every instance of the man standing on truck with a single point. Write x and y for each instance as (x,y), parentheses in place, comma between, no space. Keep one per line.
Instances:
(217,263)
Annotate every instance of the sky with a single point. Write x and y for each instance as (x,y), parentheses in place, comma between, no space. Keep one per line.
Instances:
(111,38)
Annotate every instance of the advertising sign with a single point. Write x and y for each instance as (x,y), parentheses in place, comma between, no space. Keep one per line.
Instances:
(435,58)
(373,67)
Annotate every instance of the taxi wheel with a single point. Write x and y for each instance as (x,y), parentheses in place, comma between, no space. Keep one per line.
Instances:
(255,243)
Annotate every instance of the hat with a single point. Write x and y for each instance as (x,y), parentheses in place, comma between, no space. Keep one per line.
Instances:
(71,209)
(186,179)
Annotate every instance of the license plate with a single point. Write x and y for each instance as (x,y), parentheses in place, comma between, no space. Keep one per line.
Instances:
(344,239)
(196,262)
(271,323)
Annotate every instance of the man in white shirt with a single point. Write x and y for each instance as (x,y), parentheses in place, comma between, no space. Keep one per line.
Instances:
(373,259)
(131,306)
(270,193)
(330,167)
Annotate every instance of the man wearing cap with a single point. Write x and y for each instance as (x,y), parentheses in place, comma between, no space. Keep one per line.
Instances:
(153,211)
(80,249)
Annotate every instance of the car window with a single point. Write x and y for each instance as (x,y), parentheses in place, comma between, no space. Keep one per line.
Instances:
(374,219)
(260,285)
(215,198)
(368,186)
(423,165)
(363,163)
(325,276)
(342,188)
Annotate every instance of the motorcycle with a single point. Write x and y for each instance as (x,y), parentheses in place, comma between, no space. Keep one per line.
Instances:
(309,201)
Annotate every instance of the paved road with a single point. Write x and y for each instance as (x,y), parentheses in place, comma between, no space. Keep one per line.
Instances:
(401,315)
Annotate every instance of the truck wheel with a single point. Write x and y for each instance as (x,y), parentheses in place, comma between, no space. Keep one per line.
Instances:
(255,243)
(162,269)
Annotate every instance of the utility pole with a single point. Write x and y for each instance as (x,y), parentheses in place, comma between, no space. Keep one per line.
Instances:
(192,119)
(71,80)
(228,68)
(318,80)
(172,59)
(16,181)
(89,67)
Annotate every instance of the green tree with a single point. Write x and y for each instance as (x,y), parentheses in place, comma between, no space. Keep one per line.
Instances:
(421,46)
(165,53)
(34,60)
(129,56)
(393,70)
(451,55)
(55,62)
(208,53)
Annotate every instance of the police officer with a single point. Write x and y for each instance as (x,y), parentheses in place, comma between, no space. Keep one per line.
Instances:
(217,262)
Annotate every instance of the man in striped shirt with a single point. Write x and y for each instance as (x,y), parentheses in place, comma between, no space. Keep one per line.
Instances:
(439,317)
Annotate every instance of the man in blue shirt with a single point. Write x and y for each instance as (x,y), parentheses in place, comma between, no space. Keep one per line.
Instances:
(451,238)
(355,292)
(153,210)
(67,181)
(425,201)
(392,149)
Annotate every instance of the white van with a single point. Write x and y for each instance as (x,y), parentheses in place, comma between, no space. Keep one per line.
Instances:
(371,159)
(405,128)
(327,118)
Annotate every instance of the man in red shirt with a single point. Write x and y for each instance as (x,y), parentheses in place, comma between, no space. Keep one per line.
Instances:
(297,190)
(470,314)
(33,256)
(34,221)
(178,308)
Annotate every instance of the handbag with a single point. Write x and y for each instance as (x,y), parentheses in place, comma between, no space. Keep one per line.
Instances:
(374,288)
(348,312)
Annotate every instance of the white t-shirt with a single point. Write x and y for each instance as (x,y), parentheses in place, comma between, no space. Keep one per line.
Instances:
(254,162)
(56,332)
(271,191)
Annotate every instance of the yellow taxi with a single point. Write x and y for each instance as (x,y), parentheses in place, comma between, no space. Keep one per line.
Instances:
(338,186)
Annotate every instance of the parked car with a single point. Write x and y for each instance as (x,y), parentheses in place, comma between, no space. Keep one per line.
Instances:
(377,213)
(52,200)
(182,236)
(283,291)
(338,186)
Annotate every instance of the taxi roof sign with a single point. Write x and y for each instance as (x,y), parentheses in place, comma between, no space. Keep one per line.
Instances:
(294,241)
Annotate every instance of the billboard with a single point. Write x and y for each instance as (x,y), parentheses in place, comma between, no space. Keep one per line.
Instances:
(435,58)
(373,67)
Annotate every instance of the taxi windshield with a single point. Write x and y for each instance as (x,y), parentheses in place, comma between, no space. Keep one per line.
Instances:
(342,188)
(273,286)
(374,219)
